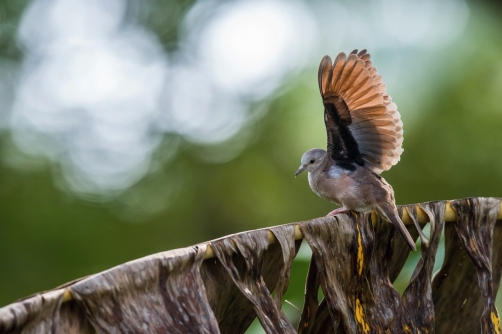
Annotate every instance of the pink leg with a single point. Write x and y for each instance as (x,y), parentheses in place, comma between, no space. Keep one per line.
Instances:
(337,211)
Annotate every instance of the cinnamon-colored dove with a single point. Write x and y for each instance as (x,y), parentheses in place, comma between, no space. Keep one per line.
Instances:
(365,136)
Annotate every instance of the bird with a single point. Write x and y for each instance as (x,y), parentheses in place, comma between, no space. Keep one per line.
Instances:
(365,137)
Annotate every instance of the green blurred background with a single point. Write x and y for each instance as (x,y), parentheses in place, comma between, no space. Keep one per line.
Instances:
(130,128)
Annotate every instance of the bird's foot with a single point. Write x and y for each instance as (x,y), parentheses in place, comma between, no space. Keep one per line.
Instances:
(337,211)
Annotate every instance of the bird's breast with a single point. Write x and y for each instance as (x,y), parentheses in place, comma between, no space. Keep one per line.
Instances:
(344,187)
(333,185)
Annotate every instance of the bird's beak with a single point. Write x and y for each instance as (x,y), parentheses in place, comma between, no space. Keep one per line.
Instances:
(301,169)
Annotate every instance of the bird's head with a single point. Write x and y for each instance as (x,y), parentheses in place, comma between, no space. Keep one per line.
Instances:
(311,160)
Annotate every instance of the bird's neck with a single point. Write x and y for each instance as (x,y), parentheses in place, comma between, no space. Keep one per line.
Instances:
(314,176)
(324,163)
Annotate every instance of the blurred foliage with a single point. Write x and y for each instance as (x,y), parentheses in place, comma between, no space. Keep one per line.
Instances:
(10,14)
(451,112)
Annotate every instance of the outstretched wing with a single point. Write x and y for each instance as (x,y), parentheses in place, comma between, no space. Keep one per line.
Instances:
(362,122)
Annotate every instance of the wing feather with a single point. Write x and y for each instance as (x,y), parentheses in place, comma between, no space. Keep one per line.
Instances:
(362,83)
(362,122)
(338,66)
(351,78)
(324,74)
(347,70)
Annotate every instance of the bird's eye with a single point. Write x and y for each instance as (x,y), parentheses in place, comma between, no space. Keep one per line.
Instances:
(312,161)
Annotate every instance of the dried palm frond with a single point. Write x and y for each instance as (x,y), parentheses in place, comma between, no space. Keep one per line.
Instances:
(222,285)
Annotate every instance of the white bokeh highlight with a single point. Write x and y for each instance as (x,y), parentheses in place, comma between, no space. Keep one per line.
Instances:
(250,46)
(198,111)
(93,87)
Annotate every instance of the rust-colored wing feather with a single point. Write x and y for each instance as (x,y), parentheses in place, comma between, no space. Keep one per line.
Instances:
(362,122)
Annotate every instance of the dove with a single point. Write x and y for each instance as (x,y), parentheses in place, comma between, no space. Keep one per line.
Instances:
(365,137)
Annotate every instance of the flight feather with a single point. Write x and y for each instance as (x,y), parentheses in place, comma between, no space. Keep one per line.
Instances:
(362,122)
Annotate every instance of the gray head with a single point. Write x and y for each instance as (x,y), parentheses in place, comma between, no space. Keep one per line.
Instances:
(311,160)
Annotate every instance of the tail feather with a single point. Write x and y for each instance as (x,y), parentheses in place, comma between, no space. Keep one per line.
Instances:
(391,215)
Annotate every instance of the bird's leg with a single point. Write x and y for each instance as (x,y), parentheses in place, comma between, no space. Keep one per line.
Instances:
(339,210)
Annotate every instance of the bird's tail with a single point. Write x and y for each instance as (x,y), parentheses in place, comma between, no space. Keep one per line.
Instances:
(391,215)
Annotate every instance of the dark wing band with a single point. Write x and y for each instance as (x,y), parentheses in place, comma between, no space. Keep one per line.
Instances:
(342,146)
(362,123)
